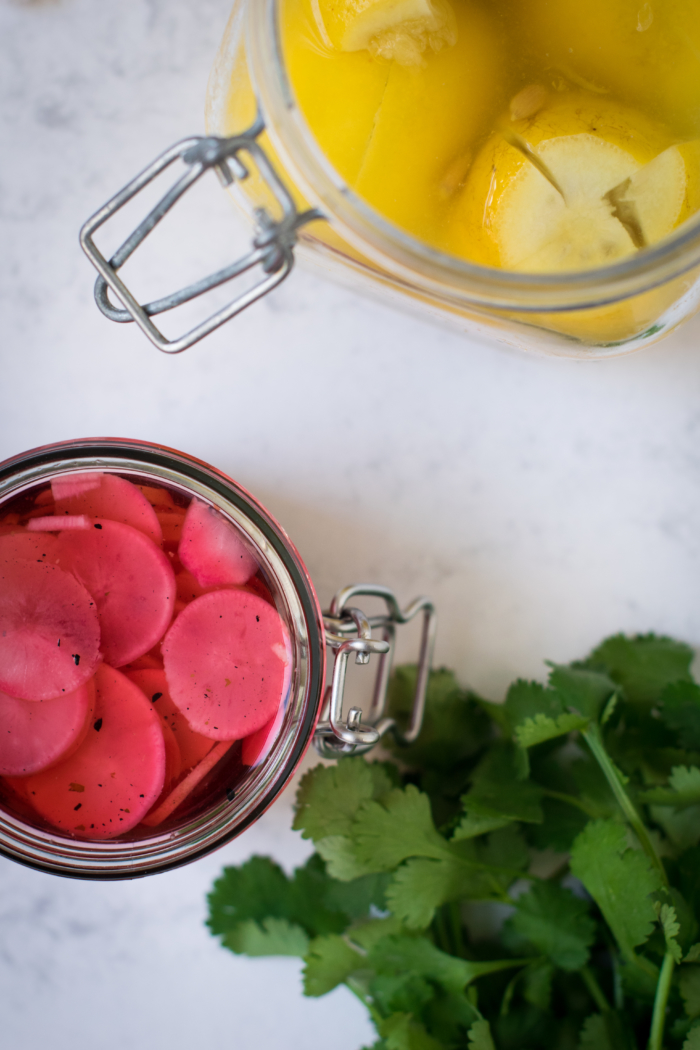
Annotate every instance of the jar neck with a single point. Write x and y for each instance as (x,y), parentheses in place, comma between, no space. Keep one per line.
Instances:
(408,260)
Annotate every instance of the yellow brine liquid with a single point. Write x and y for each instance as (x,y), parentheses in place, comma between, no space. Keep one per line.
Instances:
(538,136)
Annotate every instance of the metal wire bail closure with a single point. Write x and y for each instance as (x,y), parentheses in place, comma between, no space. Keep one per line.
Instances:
(348,631)
(273,241)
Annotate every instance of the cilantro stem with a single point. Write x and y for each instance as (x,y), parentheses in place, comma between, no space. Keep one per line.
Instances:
(597,994)
(595,742)
(658,1017)
(561,796)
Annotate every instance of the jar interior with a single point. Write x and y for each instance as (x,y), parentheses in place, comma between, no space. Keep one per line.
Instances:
(506,134)
(135,758)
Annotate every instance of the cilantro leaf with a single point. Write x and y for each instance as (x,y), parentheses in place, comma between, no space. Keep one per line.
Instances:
(584,691)
(422,885)
(499,789)
(619,879)
(643,665)
(680,710)
(342,863)
(256,890)
(404,993)
(357,897)
(259,890)
(402,1032)
(556,923)
(668,918)
(562,823)
(540,728)
(480,1036)
(329,961)
(471,825)
(271,936)
(605,1032)
(693,1040)
(537,985)
(689,984)
(329,797)
(400,826)
(682,826)
(367,934)
(693,954)
(683,789)
(454,725)
(526,700)
(419,956)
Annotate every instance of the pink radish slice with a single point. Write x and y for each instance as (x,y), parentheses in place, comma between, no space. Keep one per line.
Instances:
(185,788)
(131,581)
(66,486)
(258,745)
(193,746)
(58,522)
(34,736)
(117,773)
(212,549)
(49,629)
(115,499)
(25,545)
(226,661)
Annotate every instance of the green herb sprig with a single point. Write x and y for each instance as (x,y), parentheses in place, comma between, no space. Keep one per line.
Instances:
(526,876)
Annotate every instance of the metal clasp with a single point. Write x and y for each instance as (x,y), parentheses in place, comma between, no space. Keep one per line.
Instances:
(273,241)
(348,631)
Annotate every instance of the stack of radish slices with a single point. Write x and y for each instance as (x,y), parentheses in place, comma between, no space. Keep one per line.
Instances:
(137,643)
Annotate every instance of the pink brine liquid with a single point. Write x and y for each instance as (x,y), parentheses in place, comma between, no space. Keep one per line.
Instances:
(144,665)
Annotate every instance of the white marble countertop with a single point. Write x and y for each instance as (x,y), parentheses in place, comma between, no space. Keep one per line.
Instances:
(541,502)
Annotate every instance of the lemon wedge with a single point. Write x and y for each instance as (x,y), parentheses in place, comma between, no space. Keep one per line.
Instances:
(394,29)
(582,184)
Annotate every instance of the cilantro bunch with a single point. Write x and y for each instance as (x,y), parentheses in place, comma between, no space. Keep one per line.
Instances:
(526,876)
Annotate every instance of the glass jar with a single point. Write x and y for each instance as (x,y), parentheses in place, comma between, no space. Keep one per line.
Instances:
(603,312)
(235,786)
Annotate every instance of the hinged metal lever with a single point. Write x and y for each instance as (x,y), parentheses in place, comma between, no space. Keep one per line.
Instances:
(348,631)
(273,240)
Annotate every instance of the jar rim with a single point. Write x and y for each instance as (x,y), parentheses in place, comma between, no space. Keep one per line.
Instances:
(196,836)
(412,262)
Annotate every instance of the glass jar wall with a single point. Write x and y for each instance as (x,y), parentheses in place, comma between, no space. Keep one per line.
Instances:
(118,559)
(606,310)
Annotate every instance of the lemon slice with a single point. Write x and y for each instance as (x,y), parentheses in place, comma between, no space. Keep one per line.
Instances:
(393,29)
(582,184)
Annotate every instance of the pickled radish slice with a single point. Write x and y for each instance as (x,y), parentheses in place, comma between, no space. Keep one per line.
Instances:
(21,544)
(226,660)
(132,584)
(259,744)
(185,788)
(56,523)
(211,548)
(65,486)
(187,587)
(34,736)
(113,498)
(49,629)
(192,746)
(108,785)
